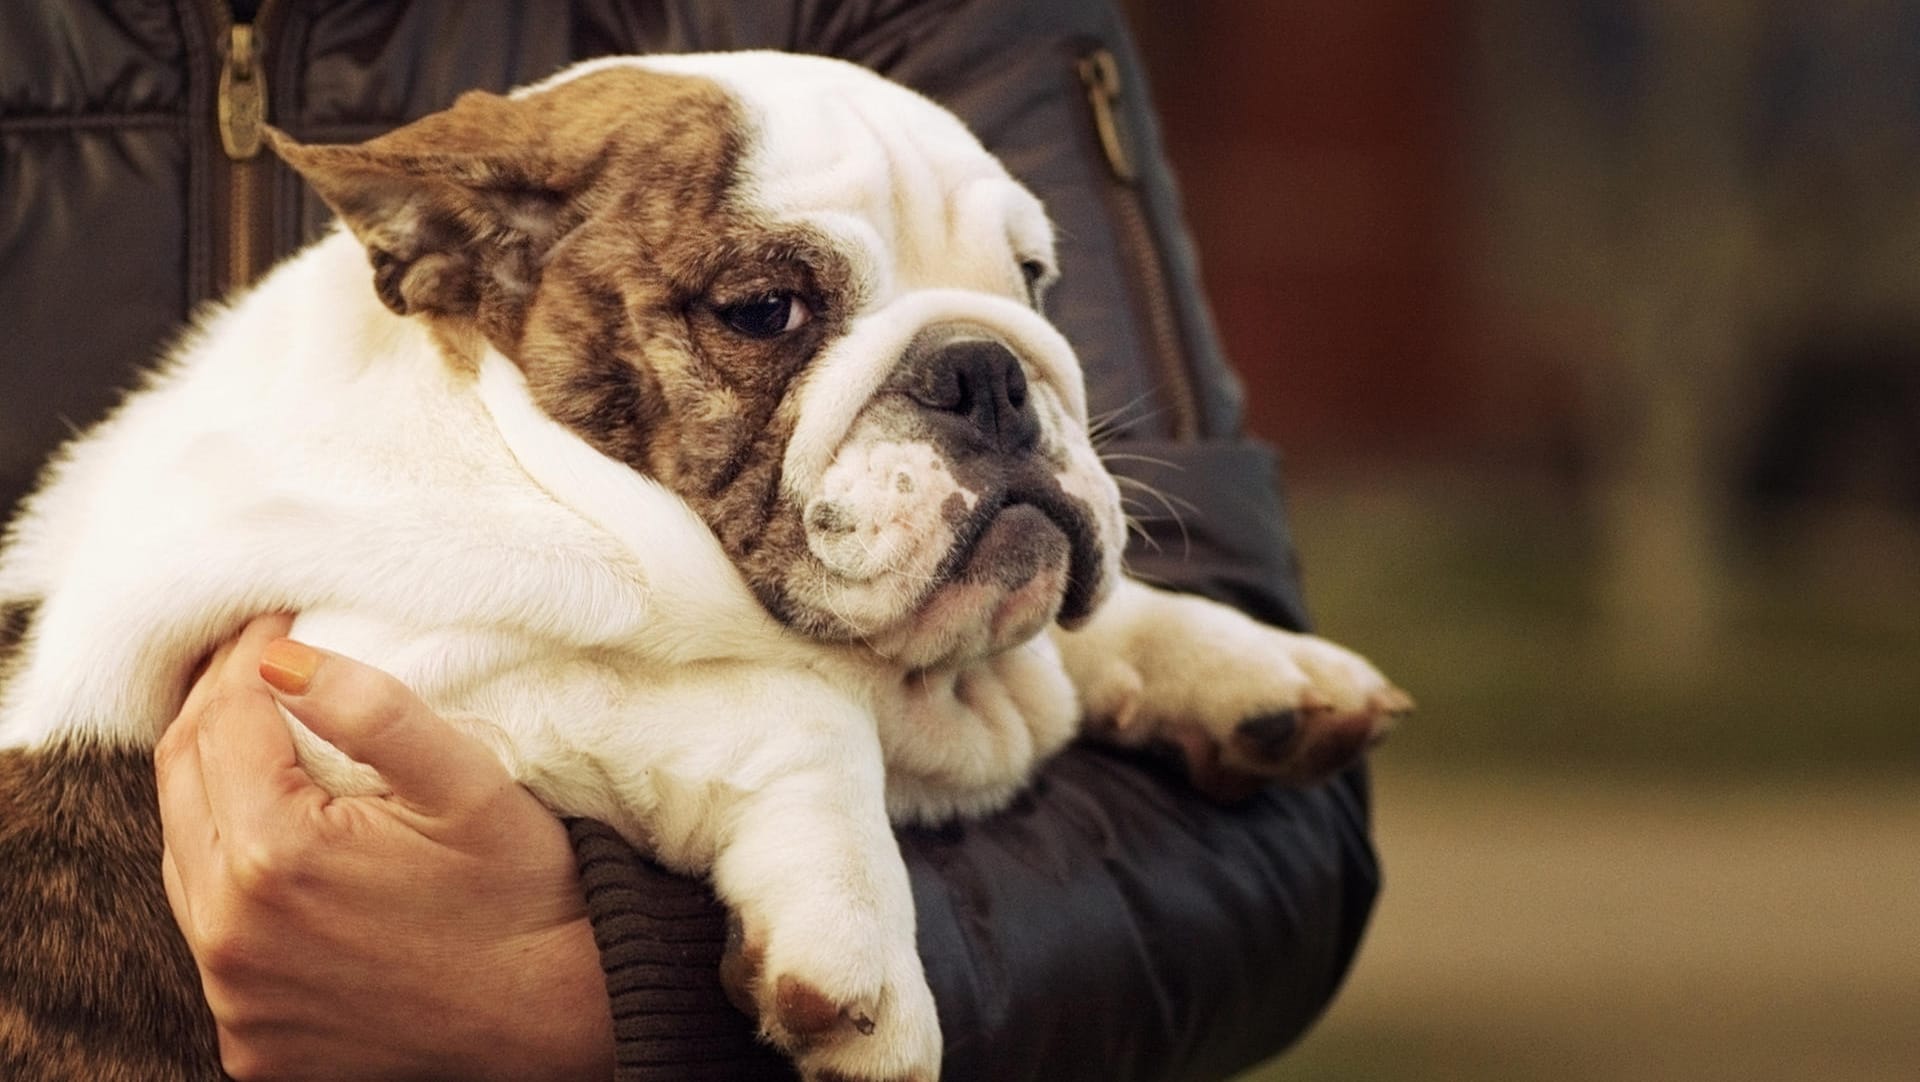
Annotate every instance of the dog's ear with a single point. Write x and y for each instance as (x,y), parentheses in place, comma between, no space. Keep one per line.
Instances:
(456,209)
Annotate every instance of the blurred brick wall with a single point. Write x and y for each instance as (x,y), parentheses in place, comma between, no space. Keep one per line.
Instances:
(1318,148)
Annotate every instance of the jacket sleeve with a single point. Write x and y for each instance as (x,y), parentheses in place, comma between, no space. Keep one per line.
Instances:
(1112,925)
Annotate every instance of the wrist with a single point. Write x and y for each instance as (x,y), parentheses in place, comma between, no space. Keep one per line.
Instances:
(552,1020)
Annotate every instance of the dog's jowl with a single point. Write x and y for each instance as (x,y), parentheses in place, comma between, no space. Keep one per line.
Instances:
(704,403)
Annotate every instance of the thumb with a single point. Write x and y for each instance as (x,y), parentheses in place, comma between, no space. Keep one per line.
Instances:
(374,718)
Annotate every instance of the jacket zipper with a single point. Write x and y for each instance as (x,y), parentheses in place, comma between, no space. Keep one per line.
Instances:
(1100,73)
(240,117)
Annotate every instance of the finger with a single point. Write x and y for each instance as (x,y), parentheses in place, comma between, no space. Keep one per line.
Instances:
(374,718)
(206,679)
(177,766)
(241,660)
(186,819)
(247,765)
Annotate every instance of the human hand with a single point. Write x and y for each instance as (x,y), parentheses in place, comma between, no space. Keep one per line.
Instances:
(438,932)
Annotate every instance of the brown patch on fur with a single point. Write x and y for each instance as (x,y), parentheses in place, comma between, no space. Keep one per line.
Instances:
(626,344)
(803,1011)
(95,980)
(460,210)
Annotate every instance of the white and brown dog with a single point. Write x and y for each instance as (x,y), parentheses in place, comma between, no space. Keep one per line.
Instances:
(700,443)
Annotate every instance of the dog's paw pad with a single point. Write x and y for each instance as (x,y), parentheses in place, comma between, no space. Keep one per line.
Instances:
(1309,741)
(1196,752)
(1335,742)
(1267,738)
(809,1016)
(793,1013)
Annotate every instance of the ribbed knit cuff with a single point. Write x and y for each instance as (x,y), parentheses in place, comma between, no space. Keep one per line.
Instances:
(660,938)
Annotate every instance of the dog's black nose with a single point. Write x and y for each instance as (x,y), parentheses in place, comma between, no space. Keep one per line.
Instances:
(974,385)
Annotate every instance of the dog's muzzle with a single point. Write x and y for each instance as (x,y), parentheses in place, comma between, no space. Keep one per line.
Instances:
(1025,538)
(973,394)
(953,519)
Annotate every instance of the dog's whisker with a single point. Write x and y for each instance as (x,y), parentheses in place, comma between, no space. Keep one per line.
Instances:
(1156,491)
(1168,502)
(1106,425)
(1149,579)
(1135,527)
(1131,456)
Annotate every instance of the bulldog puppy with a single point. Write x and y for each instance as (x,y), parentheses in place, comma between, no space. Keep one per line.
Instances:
(697,439)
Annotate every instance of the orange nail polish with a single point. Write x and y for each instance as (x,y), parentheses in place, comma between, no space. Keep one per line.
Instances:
(288,665)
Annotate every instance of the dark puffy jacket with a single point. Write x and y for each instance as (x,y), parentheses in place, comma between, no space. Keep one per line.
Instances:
(1111,925)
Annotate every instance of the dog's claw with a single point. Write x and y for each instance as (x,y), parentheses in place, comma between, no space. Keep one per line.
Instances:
(1393,703)
(1267,738)
(1310,741)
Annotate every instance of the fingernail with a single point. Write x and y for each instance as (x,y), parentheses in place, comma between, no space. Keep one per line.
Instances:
(289,665)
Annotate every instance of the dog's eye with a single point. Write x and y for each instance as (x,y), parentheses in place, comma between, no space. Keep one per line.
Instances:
(767,316)
(1035,273)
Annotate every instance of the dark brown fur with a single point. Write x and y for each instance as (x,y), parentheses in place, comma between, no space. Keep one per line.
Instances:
(95,980)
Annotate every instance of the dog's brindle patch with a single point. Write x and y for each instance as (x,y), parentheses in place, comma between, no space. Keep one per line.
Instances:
(593,233)
(80,881)
(80,845)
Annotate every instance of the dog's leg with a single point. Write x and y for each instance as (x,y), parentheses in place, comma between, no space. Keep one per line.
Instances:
(1243,702)
(822,948)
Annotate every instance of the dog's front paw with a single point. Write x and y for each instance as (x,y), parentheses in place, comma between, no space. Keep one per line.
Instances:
(1298,709)
(1243,703)
(1281,706)
(845,1012)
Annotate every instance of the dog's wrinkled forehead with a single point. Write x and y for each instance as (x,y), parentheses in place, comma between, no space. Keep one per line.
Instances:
(927,225)
(902,189)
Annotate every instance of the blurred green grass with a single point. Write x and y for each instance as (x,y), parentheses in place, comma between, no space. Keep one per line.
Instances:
(1486,602)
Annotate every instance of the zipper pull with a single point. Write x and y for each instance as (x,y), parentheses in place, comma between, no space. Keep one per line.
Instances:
(1101,74)
(243,95)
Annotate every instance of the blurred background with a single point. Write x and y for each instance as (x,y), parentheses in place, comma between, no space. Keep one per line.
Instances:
(1591,332)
